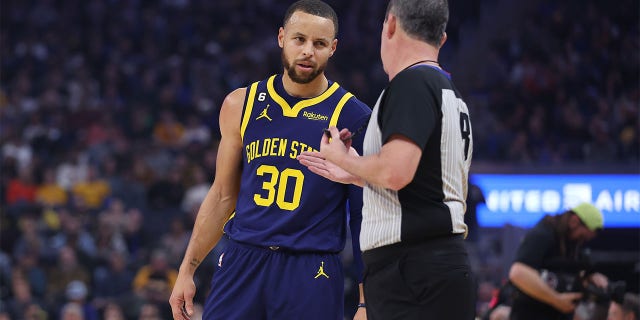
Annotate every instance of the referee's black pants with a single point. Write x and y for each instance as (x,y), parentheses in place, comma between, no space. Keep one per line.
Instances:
(426,280)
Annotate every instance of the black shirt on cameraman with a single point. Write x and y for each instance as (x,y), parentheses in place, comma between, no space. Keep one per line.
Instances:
(540,250)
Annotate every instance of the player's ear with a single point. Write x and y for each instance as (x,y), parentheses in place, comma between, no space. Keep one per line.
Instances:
(334,45)
(281,37)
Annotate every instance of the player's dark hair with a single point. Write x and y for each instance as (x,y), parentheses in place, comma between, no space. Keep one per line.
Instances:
(425,20)
(314,7)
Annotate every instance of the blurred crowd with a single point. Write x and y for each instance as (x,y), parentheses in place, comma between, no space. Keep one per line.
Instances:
(108,125)
(562,87)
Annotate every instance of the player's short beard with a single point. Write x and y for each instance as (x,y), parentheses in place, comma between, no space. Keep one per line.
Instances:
(291,71)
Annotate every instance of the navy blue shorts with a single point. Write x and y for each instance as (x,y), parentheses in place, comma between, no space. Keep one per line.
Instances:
(254,283)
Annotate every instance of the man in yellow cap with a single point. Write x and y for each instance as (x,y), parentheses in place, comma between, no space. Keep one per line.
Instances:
(548,269)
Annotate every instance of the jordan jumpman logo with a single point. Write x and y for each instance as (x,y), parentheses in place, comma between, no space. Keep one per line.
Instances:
(321,272)
(264,114)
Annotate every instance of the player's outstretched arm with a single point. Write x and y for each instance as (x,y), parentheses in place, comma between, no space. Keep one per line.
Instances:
(216,207)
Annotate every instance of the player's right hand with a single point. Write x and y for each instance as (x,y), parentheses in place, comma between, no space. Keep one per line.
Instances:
(181,299)
(566,302)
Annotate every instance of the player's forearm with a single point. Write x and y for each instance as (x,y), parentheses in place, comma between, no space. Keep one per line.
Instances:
(207,230)
(528,280)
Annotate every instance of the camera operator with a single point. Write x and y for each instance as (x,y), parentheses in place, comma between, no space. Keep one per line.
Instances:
(627,308)
(548,271)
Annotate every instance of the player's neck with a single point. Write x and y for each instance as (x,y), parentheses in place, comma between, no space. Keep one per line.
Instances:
(305,90)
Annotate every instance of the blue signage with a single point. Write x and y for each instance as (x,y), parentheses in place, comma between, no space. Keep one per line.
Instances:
(521,200)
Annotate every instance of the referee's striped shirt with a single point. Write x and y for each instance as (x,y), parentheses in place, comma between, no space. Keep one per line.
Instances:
(422,104)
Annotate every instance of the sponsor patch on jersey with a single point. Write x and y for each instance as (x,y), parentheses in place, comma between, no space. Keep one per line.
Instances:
(314,116)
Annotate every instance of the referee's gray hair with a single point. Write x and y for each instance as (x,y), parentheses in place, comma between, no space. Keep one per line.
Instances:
(424,20)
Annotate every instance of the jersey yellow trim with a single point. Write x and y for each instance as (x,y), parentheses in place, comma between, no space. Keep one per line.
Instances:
(287,110)
(339,106)
(233,214)
(247,110)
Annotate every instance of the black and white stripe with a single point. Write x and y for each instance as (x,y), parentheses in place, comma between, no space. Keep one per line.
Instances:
(381,211)
(435,205)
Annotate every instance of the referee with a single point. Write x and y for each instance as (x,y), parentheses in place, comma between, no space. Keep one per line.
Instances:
(417,153)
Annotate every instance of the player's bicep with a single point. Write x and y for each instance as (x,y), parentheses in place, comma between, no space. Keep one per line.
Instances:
(229,160)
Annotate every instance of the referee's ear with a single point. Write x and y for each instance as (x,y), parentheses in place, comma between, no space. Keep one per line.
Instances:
(443,40)
(391,22)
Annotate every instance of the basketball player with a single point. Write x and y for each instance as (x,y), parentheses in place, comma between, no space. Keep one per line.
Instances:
(417,153)
(289,225)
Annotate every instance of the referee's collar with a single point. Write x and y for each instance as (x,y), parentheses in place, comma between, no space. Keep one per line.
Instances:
(446,74)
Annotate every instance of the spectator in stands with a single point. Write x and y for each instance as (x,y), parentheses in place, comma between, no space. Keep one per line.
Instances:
(113,281)
(155,280)
(149,311)
(66,269)
(112,311)
(93,191)
(199,185)
(28,267)
(77,292)
(22,189)
(168,131)
(75,235)
(72,311)
(22,297)
(108,238)
(175,242)
(48,192)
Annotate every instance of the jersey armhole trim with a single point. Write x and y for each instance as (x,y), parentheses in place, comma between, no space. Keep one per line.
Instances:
(336,112)
(248,108)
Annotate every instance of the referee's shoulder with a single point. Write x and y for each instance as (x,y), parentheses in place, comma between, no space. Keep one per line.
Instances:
(416,73)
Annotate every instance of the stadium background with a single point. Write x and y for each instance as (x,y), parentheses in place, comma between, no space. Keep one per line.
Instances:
(108,126)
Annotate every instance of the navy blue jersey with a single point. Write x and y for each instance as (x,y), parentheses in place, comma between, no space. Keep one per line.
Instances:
(281,203)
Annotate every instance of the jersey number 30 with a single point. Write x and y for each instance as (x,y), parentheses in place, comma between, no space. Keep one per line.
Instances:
(276,187)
